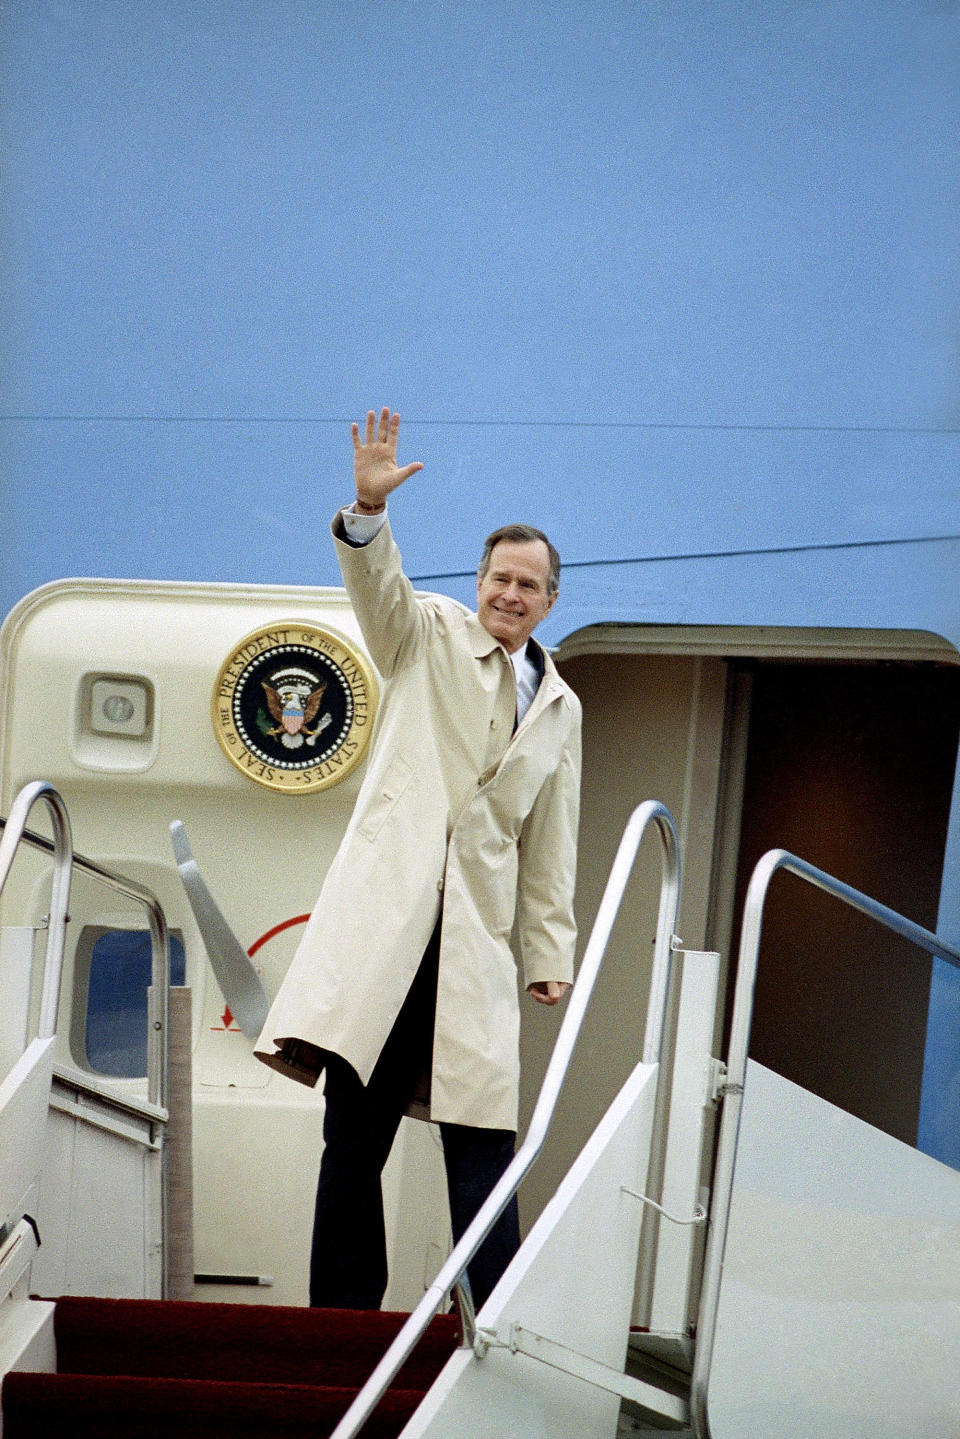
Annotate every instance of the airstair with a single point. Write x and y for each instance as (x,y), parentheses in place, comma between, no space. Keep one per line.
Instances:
(795,1272)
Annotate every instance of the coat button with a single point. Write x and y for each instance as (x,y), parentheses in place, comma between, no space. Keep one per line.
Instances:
(440,885)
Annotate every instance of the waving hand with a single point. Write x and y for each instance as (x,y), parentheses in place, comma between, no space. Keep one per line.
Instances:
(375,469)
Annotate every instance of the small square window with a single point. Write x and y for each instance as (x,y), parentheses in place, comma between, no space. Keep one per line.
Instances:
(116,964)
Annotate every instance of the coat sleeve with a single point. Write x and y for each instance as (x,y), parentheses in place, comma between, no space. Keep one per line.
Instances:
(393,622)
(547,870)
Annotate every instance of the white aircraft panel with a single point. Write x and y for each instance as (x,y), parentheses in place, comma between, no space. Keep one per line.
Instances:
(840,1306)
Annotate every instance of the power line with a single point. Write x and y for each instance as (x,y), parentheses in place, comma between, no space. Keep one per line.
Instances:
(466,423)
(719,554)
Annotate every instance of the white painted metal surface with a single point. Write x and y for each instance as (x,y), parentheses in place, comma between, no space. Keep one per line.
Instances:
(602,1376)
(238,979)
(26,1337)
(680,1239)
(839,1308)
(16,975)
(100,1212)
(16,1255)
(24,1095)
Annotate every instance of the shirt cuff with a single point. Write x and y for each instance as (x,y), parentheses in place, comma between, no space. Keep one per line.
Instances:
(362,528)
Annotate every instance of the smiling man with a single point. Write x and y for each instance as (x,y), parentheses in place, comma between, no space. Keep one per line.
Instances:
(403,992)
(517,584)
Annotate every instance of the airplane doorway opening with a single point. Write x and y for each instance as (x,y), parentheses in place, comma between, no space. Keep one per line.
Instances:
(851,767)
(838,745)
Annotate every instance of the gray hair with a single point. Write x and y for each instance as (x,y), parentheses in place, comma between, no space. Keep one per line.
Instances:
(521,535)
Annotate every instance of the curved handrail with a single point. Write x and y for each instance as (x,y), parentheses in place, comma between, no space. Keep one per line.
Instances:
(651,811)
(15,829)
(773,861)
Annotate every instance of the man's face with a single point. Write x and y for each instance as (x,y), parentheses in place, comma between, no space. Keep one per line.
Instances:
(512,597)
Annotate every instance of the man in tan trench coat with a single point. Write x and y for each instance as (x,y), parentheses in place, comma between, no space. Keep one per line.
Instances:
(404,982)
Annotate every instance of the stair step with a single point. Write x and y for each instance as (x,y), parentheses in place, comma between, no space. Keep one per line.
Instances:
(241,1342)
(87,1406)
(146,1369)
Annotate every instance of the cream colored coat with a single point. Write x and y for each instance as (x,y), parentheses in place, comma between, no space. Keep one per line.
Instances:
(455,808)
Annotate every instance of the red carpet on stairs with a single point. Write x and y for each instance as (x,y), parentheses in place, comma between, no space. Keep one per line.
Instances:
(150,1368)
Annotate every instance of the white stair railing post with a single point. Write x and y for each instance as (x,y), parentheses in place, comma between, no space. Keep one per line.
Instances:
(14,831)
(769,865)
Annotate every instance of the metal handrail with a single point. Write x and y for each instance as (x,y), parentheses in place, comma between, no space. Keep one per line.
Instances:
(14,831)
(773,861)
(651,811)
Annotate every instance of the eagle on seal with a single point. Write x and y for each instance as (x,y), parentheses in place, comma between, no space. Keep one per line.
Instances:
(293,713)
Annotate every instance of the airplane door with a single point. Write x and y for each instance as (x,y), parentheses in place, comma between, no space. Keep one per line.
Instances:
(148,703)
(839,745)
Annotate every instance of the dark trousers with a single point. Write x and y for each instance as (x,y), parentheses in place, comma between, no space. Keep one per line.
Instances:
(348,1261)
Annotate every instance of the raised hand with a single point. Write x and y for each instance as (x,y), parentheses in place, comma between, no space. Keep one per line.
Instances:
(375,469)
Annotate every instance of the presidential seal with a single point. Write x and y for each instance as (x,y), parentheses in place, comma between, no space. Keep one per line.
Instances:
(293,707)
